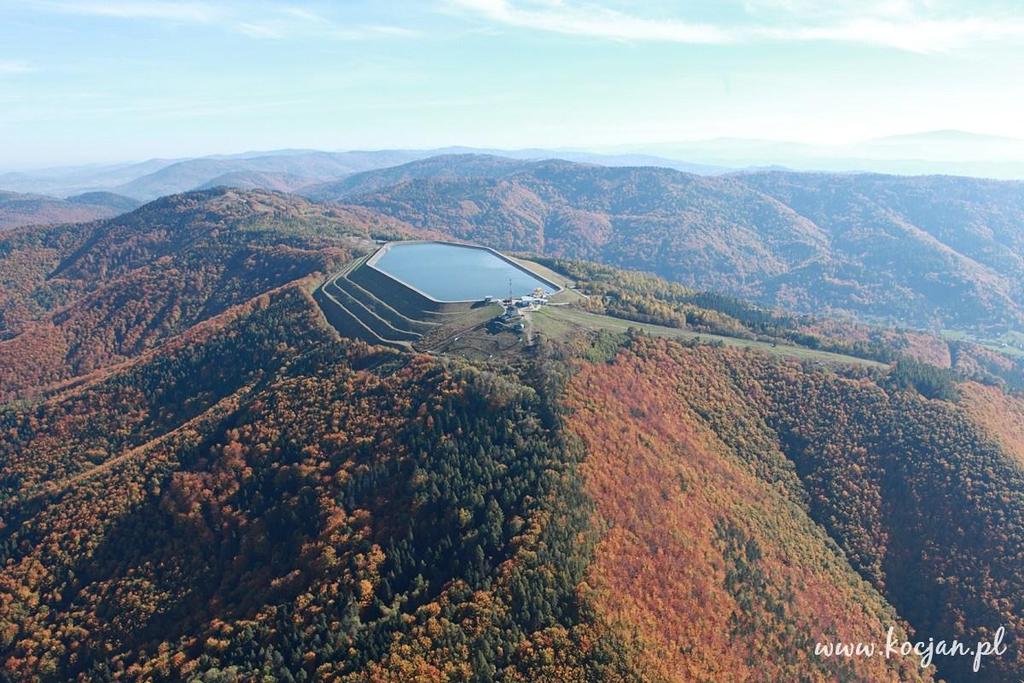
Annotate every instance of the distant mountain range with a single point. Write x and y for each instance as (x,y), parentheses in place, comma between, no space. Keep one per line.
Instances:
(938,152)
(282,170)
(945,152)
(160,177)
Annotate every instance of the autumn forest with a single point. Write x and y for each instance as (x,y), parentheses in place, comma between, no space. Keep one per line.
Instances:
(201,479)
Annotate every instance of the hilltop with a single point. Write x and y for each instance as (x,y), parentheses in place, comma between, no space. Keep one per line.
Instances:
(18,209)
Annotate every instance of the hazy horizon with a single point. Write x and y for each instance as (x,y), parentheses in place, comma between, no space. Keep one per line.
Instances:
(105,81)
(625,147)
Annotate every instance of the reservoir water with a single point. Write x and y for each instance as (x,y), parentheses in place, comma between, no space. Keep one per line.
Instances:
(452,272)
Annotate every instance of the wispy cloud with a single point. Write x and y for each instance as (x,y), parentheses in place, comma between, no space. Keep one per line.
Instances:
(276,29)
(916,35)
(910,25)
(254,30)
(596,21)
(14,68)
(299,22)
(193,12)
(267,21)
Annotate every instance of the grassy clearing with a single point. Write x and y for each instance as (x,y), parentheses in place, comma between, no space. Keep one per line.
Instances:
(559,321)
(543,271)
(1008,343)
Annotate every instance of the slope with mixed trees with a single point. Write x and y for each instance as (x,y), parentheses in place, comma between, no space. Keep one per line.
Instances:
(742,583)
(258,498)
(927,251)
(200,480)
(765,483)
(76,298)
(291,506)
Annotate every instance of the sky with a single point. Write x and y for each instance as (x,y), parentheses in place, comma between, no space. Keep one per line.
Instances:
(98,81)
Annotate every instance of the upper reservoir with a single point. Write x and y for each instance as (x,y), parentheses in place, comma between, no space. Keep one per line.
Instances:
(455,272)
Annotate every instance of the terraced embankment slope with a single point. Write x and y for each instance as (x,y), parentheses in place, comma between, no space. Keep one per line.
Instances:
(363,303)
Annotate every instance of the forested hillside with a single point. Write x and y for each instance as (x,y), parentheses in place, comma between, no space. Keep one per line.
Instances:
(200,480)
(926,251)
(721,460)
(76,298)
(275,502)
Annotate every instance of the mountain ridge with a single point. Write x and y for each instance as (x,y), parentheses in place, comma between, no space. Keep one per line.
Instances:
(861,245)
(18,209)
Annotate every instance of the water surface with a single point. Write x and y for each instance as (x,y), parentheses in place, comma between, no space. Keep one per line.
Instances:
(450,272)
